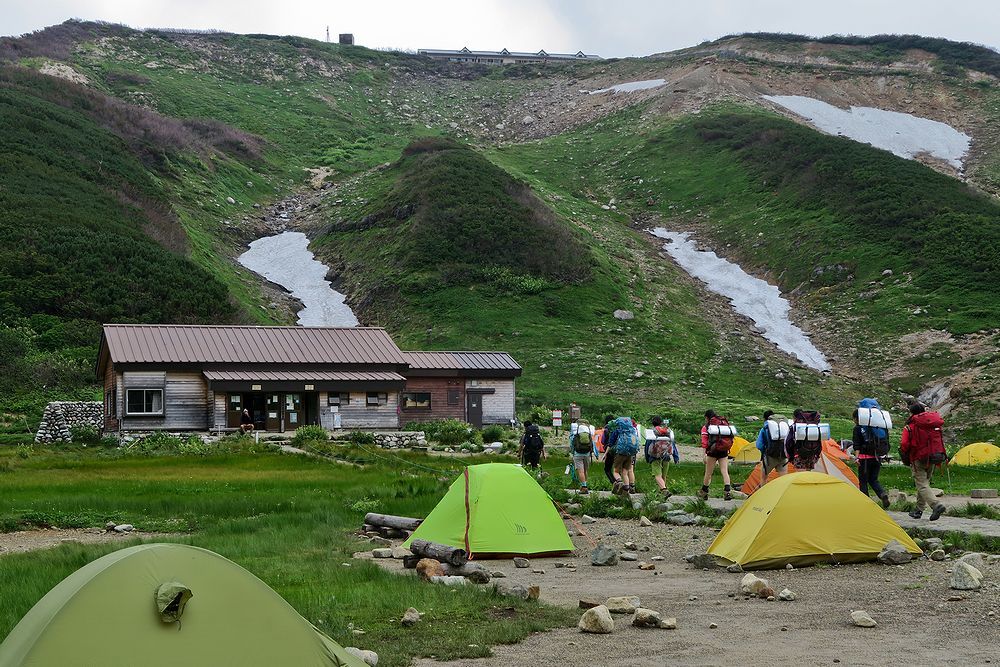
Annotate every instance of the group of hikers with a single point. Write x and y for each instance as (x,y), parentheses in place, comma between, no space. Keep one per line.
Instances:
(797,442)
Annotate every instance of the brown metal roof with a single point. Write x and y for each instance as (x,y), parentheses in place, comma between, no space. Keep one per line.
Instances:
(175,343)
(301,376)
(462,361)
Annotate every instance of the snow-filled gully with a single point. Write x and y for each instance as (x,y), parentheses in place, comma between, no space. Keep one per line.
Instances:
(750,296)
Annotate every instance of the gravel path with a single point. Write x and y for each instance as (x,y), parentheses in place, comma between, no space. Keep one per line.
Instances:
(910,603)
(47,538)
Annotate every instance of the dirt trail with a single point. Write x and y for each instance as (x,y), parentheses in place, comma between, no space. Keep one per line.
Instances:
(47,538)
(818,629)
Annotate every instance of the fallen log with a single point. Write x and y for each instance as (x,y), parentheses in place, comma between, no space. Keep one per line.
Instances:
(390,521)
(410,562)
(440,552)
(474,572)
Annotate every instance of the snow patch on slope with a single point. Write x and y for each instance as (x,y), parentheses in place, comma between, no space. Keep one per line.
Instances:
(631,86)
(900,133)
(750,296)
(285,259)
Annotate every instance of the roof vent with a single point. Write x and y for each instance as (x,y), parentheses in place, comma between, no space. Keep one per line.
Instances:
(171,598)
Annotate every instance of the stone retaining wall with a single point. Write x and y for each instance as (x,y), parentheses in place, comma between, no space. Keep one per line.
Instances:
(400,439)
(61,416)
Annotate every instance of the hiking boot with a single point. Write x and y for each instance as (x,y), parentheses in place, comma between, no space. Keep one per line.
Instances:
(666,493)
(702,494)
(885,501)
(938,511)
(616,488)
(916,514)
(584,491)
(728,495)
(631,489)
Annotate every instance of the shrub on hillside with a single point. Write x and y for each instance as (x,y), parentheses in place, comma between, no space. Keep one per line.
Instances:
(496,433)
(450,432)
(85,435)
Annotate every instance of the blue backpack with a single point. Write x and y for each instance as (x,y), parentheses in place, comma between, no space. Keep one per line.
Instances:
(876,438)
(626,437)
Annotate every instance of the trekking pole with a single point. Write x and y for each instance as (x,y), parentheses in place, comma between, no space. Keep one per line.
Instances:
(947,467)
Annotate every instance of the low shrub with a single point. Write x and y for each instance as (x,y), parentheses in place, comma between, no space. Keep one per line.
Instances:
(306,434)
(85,435)
(360,438)
(24,451)
(495,433)
(451,432)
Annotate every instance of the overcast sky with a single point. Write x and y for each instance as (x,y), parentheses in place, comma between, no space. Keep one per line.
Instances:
(611,28)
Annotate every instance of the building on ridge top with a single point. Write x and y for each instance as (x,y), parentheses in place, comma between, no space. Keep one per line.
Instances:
(503,56)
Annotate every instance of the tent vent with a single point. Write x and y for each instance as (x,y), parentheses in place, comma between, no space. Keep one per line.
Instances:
(170,600)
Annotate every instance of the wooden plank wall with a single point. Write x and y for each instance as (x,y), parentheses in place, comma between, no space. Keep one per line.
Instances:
(438,389)
(498,408)
(358,415)
(185,400)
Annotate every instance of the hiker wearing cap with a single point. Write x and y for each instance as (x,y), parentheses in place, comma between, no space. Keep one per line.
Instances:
(583,449)
(659,450)
(716,440)
(771,444)
(871,443)
(922,448)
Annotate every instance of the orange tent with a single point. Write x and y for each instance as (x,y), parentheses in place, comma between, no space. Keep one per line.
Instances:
(833,466)
(832,447)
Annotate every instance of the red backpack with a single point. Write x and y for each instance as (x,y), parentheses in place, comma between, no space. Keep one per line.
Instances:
(720,437)
(927,441)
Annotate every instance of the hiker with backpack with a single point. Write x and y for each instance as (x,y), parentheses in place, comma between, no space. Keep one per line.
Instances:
(922,448)
(804,442)
(871,444)
(624,441)
(532,450)
(582,449)
(609,452)
(716,439)
(771,443)
(659,450)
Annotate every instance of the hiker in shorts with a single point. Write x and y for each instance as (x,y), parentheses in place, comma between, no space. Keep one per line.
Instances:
(532,450)
(582,448)
(922,448)
(609,452)
(659,451)
(773,455)
(716,453)
(624,441)
(246,422)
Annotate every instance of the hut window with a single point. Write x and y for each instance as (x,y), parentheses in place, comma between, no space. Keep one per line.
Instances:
(416,401)
(144,401)
(376,398)
(453,396)
(338,399)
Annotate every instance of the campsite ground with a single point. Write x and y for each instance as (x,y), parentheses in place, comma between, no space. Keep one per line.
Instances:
(289,519)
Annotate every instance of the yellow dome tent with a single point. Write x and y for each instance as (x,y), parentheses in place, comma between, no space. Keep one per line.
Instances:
(976,454)
(806,518)
(744,451)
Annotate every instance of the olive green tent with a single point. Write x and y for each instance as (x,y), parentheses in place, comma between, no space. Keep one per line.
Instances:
(494,510)
(166,605)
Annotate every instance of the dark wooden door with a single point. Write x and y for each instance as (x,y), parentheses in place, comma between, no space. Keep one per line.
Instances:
(234,410)
(274,412)
(257,406)
(474,409)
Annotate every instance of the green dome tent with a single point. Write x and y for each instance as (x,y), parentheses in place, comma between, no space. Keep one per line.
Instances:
(494,510)
(161,605)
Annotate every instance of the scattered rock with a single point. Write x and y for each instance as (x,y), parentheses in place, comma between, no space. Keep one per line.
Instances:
(428,567)
(683,519)
(410,618)
(124,528)
(862,619)
(646,566)
(399,553)
(894,553)
(590,603)
(511,589)
(644,522)
(938,554)
(751,584)
(713,626)
(668,623)
(966,577)
(937,492)
(597,620)
(630,556)
(604,555)
(370,658)
(624,604)
(789,566)
(983,493)
(933,543)
(624,315)
(498,574)
(735,568)
(786,595)
(538,571)
(450,580)
(976,560)
(955,598)
(646,618)
(534,591)
(521,562)
(586,518)
(230,200)
(382,553)
(657,558)
(704,561)
(380,541)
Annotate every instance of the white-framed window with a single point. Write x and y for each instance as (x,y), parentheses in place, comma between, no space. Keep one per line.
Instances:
(340,399)
(376,398)
(144,402)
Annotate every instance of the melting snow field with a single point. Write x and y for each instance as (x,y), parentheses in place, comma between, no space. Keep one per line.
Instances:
(900,133)
(285,259)
(631,86)
(750,296)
